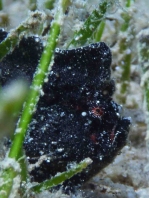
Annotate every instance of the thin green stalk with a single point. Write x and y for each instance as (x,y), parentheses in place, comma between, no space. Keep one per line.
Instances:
(100,31)
(126,17)
(33,96)
(65,4)
(129,2)
(33,5)
(146,89)
(23,165)
(144,62)
(7,45)
(10,105)
(90,25)
(126,73)
(12,39)
(8,176)
(34,93)
(143,54)
(125,49)
(1,4)
(49,4)
(61,177)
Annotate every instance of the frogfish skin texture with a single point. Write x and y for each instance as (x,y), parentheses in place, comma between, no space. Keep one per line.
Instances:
(76,116)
